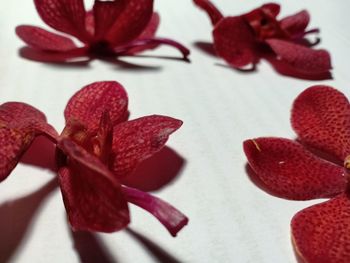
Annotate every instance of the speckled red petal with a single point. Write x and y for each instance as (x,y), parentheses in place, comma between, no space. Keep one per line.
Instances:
(131,22)
(137,140)
(234,41)
(301,58)
(89,103)
(321,118)
(288,170)
(321,232)
(44,40)
(91,194)
(67,16)
(297,23)
(214,13)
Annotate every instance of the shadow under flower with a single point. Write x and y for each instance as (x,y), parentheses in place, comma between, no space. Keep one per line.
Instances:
(16,217)
(206,47)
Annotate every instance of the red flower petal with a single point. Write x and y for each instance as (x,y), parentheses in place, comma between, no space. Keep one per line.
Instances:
(19,125)
(172,219)
(137,140)
(214,13)
(271,9)
(321,232)
(234,41)
(91,194)
(289,171)
(321,118)
(297,23)
(89,103)
(302,58)
(67,16)
(41,39)
(131,22)
(152,27)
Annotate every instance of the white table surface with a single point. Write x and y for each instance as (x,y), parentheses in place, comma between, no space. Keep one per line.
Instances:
(231,220)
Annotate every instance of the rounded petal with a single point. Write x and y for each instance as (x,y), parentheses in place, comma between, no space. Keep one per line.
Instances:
(39,38)
(89,103)
(321,232)
(271,9)
(91,194)
(289,171)
(137,140)
(321,118)
(214,13)
(301,58)
(234,41)
(297,23)
(151,28)
(67,16)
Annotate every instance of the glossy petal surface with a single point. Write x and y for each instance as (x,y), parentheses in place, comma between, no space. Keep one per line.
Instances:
(234,41)
(289,171)
(297,23)
(89,103)
(214,13)
(91,194)
(321,232)
(302,58)
(321,118)
(137,140)
(67,16)
(172,219)
(44,40)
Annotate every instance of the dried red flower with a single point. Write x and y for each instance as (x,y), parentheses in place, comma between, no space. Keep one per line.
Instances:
(321,119)
(96,151)
(243,40)
(112,28)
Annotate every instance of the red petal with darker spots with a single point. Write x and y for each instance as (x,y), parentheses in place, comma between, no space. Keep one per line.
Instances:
(214,13)
(41,39)
(67,16)
(321,118)
(89,103)
(321,232)
(91,194)
(19,125)
(297,23)
(234,41)
(288,170)
(137,140)
(303,59)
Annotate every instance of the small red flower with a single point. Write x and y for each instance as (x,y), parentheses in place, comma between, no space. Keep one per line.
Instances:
(321,119)
(96,151)
(112,28)
(243,40)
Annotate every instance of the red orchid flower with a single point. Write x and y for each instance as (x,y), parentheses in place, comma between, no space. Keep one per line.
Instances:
(96,151)
(321,119)
(112,28)
(242,40)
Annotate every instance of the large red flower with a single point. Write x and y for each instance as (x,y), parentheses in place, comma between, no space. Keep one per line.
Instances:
(315,166)
(110,29)
(243,40)
(96,151)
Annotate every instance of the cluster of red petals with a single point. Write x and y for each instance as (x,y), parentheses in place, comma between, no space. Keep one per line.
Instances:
(112,28)
(317,165)
(96,151)
(243,40)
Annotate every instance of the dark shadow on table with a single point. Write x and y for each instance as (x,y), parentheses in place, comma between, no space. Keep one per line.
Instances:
(206,47)
(16,217)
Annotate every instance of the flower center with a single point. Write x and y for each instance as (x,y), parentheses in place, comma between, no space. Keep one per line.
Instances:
(101,48)
(347,163)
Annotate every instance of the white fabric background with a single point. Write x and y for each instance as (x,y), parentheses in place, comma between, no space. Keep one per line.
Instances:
(231,220)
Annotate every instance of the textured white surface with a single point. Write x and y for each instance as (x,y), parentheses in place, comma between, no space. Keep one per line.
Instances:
(231,220)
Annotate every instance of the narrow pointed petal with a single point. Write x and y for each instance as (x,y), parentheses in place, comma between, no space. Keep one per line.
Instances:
(214,14)
(171,218)
(297,23)
(234,41)
(136,140)
(301,58)
(19,125)
(67,16)
(89,103)
(289,171)
(131,22)
(91,194)
(321,118)
(39,38)
(321,232)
